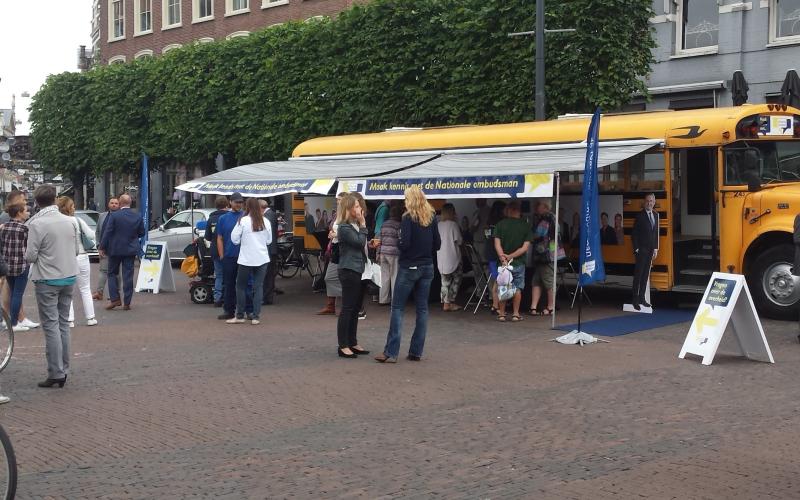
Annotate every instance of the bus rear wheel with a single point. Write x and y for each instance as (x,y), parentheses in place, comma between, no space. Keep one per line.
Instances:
(775,290)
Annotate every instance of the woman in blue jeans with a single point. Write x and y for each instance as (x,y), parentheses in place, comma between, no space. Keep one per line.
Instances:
(419,240)
(254,234)
(13,242)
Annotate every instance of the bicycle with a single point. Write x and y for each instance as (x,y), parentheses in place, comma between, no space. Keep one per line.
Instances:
(8,467)
(6,338)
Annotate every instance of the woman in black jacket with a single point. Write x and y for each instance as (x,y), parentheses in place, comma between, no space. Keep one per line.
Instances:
(352,235)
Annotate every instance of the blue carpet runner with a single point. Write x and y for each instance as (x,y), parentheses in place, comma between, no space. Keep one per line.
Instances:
(632,322)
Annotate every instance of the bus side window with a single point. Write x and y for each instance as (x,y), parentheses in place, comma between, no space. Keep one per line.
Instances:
(647,172)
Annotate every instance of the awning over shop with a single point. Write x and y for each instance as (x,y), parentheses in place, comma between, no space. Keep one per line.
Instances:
(510,172)
(298,176)
(525,172)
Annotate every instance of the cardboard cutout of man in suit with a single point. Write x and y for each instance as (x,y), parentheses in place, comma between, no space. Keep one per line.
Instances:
(645,249)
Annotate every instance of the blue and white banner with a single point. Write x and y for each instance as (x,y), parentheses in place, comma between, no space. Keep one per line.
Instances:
(590,251)
(144,199)
(490,186)
(259,188)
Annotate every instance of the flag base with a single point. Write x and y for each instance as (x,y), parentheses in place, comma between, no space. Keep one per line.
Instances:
(577,337)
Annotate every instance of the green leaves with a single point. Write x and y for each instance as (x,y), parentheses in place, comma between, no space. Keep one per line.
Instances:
(383,64)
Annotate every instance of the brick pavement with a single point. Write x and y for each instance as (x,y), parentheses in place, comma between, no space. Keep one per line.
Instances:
(167,402)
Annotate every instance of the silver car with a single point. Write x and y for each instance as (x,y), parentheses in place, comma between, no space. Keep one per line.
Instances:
(177,232)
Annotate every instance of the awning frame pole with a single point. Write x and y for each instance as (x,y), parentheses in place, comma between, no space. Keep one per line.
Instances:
(557,180)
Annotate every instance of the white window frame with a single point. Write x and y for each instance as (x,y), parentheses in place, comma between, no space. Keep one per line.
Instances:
(165,16)
(774,39)
(137,18)
(229,9)
(699,51)
(116,60)
(111,21)
(196,12)
(143,53)
(238,34)
(268,4)
(169,47)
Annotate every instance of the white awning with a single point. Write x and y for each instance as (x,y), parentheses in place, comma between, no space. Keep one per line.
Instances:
(297,176)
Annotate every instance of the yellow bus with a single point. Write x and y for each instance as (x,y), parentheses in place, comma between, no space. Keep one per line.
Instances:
(726,181)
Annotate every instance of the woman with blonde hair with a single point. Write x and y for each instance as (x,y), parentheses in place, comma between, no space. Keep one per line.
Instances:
(419,239)
(82,231)
(352,235)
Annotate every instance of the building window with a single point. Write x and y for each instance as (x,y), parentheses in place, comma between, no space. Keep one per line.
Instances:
(117,60)
(697,26)
(233,7)
(172,13)
(143,54)
(266,4)
(169,47)
(117,17)
(784,20)
(238,34)
(202,10)
(143,16)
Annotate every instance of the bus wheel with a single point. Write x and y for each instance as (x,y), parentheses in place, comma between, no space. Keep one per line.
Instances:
(775,291)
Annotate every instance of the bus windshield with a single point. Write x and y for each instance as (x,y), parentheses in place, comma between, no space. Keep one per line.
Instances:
(762,161)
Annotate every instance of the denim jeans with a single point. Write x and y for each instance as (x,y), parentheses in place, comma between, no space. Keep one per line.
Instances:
(248,297)
(219,275)
(409,280)
(17,286)
(230,269)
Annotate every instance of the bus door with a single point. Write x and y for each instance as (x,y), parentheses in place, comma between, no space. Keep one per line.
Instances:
(695,218)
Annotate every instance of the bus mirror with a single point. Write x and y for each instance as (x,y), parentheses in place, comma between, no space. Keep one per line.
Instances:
(753,184)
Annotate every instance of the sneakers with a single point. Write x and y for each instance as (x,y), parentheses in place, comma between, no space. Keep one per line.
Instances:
(20,328)
(255,321)
(91,322)
(234,321)
(4,399)
(28,323)
(362,315)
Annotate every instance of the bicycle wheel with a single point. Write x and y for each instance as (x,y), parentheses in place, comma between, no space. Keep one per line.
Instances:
(8,467)
(6,339)
(288,266)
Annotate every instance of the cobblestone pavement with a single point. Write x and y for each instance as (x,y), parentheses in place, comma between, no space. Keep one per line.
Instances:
(165,401)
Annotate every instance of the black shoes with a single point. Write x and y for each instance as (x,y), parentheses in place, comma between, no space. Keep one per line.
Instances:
(636,306)
(53,381)
(646,304)
(342,354)
(360,352)
(412,357)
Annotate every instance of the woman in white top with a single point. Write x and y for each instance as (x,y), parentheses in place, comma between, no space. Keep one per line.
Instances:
(254,234)
(448,257)
(67,207)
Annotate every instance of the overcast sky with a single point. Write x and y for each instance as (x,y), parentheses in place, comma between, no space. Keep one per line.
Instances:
(40,37)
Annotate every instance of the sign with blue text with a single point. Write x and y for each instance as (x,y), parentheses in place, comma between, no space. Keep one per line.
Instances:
(727,303)
(589,251)
(261,188)
(155,272)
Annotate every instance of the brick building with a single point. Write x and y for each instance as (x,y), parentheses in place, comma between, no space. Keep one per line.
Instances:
(130,29)
(124,30)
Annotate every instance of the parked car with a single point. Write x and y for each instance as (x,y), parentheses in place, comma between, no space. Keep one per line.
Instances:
(90,217)
(178,232)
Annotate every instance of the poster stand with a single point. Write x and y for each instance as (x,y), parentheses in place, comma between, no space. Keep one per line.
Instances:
(151,269)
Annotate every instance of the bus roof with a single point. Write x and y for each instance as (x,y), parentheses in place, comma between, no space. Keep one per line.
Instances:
(691,128)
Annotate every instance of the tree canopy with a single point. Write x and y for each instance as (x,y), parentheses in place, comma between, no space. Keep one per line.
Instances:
(377,65)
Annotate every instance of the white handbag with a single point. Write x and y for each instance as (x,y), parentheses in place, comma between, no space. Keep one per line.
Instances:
(372,272)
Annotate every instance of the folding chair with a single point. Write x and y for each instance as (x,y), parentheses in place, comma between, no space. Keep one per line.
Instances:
(479,274)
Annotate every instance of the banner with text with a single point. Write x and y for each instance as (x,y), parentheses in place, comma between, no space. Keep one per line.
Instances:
(260,188)
(492,186)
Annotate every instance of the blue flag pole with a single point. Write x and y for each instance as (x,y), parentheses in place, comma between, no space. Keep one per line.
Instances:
(144,199)
(590,250)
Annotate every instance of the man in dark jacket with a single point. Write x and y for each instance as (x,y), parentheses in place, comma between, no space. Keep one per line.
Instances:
(222,208)
(272,269)
(113,206)
(645,249)
(120,242)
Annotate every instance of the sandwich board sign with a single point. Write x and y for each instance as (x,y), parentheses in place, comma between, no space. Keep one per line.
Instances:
(152,273)
(727,301)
